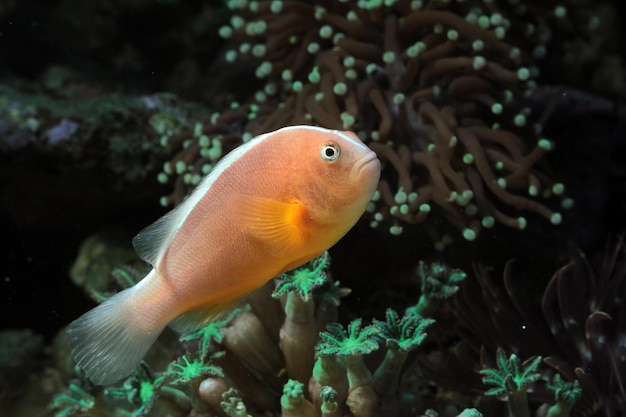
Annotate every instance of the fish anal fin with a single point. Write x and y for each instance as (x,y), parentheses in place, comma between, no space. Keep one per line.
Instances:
(198,317)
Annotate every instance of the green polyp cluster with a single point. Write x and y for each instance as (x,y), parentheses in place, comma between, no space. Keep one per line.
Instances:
(211,333)
(512,378)
(331,293)
(510,375)
(293,389)
(185,371)
(403,334)
(293,394)
(233,405)
(438,282)
(566,394)
(340,347)
(141,390)
(353,340)
(175,389)
(305,279)
(329,400)
(77,399)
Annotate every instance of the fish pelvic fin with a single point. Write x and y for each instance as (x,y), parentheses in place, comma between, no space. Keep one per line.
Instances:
(193,320)
(105,343)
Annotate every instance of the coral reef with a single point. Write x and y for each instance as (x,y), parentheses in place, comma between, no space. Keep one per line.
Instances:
(76,121)
(240,364)
(576,328)
(271,357)
(75,400)
(437,89)
(21,353)
(480,113)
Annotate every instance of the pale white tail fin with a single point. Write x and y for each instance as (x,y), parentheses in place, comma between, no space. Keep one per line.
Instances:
(105,343)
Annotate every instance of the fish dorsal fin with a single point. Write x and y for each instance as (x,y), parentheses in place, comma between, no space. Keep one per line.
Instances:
(283,224)
(151,241)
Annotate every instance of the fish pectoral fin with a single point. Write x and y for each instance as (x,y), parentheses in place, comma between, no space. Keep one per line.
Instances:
(281,225)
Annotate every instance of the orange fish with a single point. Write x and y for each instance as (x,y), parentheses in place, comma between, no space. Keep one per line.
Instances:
(269,206)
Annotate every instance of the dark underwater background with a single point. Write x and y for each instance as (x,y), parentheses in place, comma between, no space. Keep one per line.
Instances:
(85,90)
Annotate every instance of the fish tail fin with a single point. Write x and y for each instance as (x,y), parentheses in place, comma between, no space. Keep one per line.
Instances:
(106,343)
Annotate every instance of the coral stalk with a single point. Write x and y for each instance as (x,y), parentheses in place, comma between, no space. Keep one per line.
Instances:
(329,371)
(245,336)
(298,336)
(362,398)
(211,391)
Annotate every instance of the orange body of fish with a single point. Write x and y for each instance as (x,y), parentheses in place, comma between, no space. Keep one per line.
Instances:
(269,206)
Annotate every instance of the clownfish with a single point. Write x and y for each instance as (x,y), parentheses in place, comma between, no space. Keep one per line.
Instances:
(269,206)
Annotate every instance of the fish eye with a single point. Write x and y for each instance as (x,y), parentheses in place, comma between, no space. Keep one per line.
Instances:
(330,152)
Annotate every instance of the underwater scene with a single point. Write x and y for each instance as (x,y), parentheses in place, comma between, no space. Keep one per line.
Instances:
(289,208)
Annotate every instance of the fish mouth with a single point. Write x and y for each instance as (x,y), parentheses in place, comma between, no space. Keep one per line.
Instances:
(368,162)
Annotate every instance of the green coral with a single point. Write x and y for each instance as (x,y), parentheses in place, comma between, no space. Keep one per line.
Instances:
(299,331)
(293,389)
(329,400)
(305,279)
(513,379)
(77,399)
(331,293)
(293,402)
(141,390)
(233,405)
(184,371)
(354,340)
(438,282)
(402,334)
(566,394)
(511,375)
(189,374)
(211,333)
(349,345)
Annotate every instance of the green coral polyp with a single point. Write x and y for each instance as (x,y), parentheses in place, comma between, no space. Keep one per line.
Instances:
(305,279)
(354,340)
(403,334)
(510,375)
(185,370)
(76,399)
